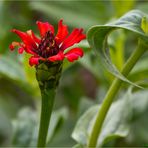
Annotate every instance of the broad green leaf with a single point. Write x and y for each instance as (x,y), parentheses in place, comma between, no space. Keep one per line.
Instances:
(80,133)
(11,69)
(138,134)
(62,137)
(122,120)
(97,37)
(25,126)
(115,125)
(139,102)
(56,122)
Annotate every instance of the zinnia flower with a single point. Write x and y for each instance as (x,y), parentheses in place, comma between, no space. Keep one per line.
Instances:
(49,47)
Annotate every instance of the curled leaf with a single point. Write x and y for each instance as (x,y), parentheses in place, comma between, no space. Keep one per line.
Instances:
(98,38)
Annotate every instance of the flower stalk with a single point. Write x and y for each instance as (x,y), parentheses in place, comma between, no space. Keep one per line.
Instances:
(48,75)
(46,110)
(113,90)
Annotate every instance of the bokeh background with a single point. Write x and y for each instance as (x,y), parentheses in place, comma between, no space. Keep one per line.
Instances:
(83,83)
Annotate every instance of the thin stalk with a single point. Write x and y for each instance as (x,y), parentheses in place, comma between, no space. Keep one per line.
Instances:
(114,88)
(46,110)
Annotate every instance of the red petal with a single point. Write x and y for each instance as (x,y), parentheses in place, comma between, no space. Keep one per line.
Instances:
(29,50)
(34,60)
(75,37)
(32,35)
(25,38)
(62,32)
(74,54)
(58,57)
(20,50)
(44,27)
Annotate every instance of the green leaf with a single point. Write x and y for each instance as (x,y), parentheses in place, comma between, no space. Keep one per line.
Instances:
(11,69)
(56,122)
(115,125)
(126,114)
(97,37)
(62,137)
(138,134)
(139,106)
(80,133)
(25,126)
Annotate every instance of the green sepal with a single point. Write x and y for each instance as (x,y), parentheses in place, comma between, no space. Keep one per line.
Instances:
(48,74)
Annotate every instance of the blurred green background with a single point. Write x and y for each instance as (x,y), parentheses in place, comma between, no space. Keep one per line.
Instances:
(83,83)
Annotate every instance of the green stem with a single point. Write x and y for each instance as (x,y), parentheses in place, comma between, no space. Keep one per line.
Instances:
(114,88)
(46,110)
(47,75)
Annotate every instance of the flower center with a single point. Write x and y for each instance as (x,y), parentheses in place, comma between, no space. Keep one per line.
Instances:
(48,46)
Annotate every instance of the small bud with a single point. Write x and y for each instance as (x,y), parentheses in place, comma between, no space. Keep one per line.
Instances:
(144,25)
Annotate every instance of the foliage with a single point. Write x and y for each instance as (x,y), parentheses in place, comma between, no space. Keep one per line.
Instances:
(83,84)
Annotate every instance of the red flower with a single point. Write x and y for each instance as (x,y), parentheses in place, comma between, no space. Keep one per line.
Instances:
(49,47)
